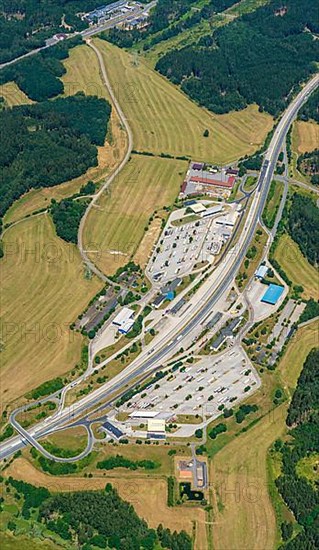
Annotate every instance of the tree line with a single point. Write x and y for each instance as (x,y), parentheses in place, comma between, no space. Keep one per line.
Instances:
(26,24)
(91,518)
(39,76)
(310,110)
(47,143)
(300,495)
(308,164)
(119,461)
(260,57)
(86,515)
(303,226)
(66,216)
(169,18)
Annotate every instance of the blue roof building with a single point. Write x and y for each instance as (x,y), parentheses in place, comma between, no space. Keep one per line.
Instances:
(272,294)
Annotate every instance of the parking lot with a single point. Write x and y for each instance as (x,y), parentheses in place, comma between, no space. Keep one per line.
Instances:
(183,246)
(202,387)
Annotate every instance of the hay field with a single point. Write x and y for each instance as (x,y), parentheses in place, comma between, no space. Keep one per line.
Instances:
(43,291)
(303,341)
(147,496)
(13,95)
(82,74)
(71,439)
(164,120)
(296,266)
(115,228)
(305,136)
(244,514)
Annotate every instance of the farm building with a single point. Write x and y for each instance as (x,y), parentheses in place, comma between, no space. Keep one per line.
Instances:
(272,294)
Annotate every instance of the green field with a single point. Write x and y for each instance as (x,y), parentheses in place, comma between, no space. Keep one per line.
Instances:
(296,266)
(164,120)
(8,542)
(115,228)
(43,291)
(272,204)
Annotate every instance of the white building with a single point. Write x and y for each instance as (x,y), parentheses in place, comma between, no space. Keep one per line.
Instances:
(229,219)
(124,320)
(211,211)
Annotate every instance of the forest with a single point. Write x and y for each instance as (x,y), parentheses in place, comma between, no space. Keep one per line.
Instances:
(303,226)
(308,164)
(169,18)
(310,110)
(26,24)
(261,57)
(66,216)
(105,517)
(90,518)
(39,76)
(299,493)
(48,143)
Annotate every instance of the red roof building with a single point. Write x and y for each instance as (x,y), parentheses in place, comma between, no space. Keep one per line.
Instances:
(210,181)
(184,185)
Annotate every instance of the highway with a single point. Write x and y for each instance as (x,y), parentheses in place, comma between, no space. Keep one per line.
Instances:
(196,315)
(86,33)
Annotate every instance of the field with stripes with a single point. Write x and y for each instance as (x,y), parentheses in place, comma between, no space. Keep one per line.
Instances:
(43,290)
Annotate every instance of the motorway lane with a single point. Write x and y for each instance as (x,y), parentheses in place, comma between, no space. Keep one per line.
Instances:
(86,33)
(153,361)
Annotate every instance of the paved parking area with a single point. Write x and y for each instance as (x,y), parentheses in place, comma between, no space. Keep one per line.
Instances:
(181,247)
(255,292)
(289,315)
(201,388)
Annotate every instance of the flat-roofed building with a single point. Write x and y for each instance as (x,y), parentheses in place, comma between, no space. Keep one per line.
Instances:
(156,428)
(124,320)
(143,414)
(197,208)
(228,219)
(272,294)
(211,211)
(261,272)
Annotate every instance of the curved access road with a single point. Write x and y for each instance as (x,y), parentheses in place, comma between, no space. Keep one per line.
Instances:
(114,174)
(167,344)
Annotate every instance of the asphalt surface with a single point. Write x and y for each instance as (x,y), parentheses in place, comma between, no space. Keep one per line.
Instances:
(205,305)
(86,33)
